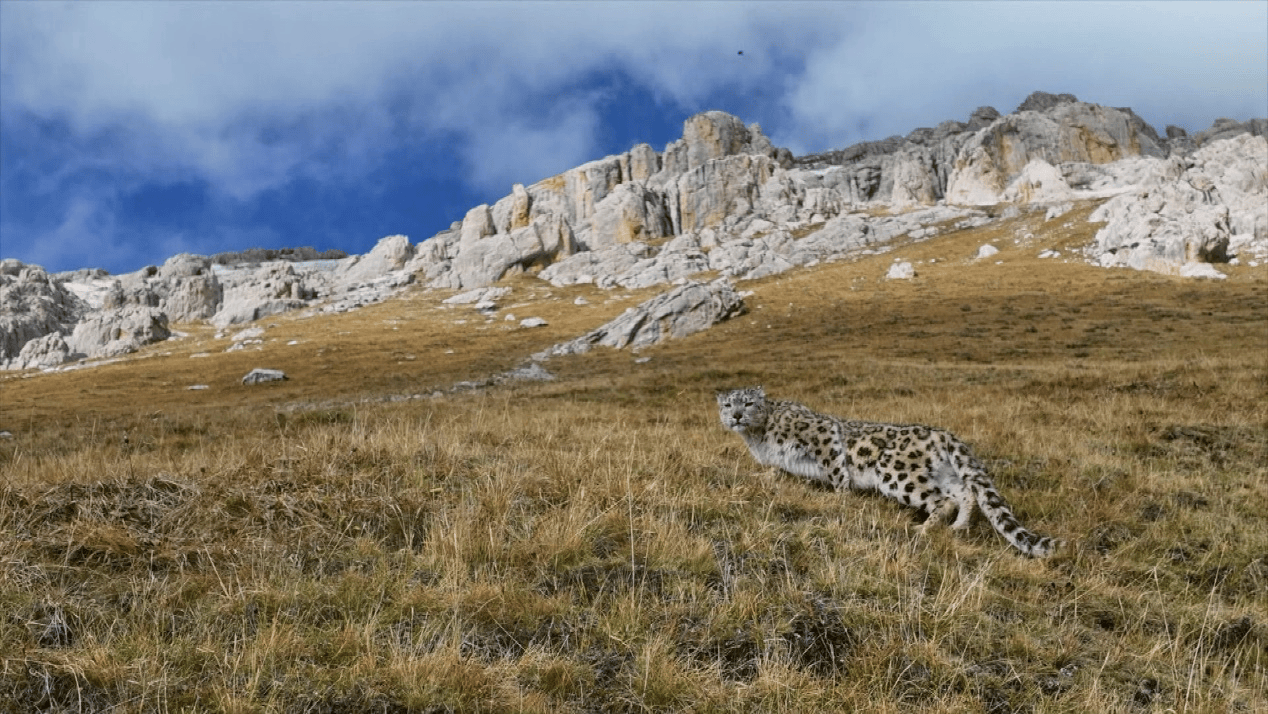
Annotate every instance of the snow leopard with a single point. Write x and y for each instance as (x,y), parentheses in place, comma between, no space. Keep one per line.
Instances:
(919,466)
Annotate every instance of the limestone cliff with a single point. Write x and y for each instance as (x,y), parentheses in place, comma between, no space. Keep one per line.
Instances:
(721,198)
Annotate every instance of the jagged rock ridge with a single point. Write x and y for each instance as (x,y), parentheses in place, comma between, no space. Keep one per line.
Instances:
(721,198)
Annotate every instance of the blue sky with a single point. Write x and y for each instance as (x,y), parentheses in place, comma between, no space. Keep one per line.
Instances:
(131,131)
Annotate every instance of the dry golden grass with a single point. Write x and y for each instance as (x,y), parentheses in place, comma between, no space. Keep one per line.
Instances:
(599,543)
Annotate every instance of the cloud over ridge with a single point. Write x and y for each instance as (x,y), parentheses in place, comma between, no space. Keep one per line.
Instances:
(103,102)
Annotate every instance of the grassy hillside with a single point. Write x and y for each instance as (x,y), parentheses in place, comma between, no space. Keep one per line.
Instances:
(600,544)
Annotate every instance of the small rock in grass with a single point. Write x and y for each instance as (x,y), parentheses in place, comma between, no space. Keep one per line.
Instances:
(260,376)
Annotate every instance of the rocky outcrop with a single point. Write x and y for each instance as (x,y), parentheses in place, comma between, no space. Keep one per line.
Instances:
(119,331)
(1038,182)
(713,135)
(41,352)
(911,169)
(1188,210)
(1057,130)
(631,212)
(714,171)
(709,194)
(256,256)
(188,288)
(720,199)
(390,254)
(269,290)
(32,305)
(1228,128)
(490,257)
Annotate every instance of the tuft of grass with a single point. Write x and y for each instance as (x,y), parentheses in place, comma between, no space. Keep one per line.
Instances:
(347,542)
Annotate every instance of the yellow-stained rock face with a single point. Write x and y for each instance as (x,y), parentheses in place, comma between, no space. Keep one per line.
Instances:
(520,206)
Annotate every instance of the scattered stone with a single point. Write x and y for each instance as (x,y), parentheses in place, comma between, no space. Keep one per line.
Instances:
(477,295)
(260,376)
(1201,270)
(1057,210)
(532,372)
(250,333)
(197,387)
(986,251)
(901,271)
(239,346)
(533,322)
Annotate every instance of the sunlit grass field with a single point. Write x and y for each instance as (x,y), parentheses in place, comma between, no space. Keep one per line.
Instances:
(362,538)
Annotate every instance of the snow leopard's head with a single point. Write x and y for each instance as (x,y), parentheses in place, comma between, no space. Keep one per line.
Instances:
(743,410)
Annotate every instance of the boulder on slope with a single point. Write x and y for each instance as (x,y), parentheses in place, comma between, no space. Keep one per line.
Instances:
(41,352)
(682,311)
(1038,182)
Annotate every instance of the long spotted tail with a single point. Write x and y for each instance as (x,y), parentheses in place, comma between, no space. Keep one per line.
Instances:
(1002,519)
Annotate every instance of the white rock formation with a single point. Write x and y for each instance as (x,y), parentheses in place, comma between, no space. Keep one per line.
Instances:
(1055,130)
(682,311)
(901,271)
(389,255)
(1038,182)
(272,289)
(111,333)
(478,295)
(42,352)
(1171,222)
(32,305)
(723,199)
(260,375)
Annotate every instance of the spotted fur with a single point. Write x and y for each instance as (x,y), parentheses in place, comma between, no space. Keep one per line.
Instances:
(918,466)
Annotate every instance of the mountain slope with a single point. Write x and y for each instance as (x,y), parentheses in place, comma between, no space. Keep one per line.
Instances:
(600,543)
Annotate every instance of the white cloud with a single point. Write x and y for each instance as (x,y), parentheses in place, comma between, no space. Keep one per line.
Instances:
(201,78)
(249,96)
(903,65)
